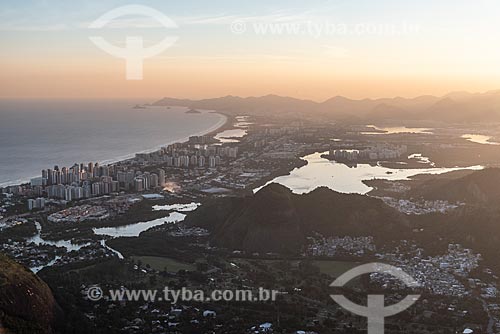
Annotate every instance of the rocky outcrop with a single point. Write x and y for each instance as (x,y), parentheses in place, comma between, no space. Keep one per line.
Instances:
(27,305)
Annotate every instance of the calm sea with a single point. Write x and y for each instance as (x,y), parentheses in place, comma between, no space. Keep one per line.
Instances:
(38,134)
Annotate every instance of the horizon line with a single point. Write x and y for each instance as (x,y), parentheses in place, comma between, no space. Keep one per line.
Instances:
(194,99)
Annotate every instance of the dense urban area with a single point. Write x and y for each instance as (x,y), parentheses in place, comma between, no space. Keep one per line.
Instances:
(129,225)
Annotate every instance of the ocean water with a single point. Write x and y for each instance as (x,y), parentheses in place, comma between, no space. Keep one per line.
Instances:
(38,134)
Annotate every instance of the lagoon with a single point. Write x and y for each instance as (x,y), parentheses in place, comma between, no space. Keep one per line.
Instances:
(134,230)
(346,179)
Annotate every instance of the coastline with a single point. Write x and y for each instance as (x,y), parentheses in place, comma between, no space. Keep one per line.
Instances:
(224,123)
(214,129)
(228,124)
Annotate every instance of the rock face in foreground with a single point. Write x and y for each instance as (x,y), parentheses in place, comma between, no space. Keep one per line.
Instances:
(27,305)
(276,220)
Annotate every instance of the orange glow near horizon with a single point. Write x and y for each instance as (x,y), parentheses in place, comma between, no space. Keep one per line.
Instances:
(105,79)
(52,57)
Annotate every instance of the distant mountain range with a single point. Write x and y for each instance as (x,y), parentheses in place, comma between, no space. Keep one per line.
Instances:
(276,220)
(453,107)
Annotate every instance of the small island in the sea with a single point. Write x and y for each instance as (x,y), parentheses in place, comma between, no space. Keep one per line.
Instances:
(138,106)
(193,111)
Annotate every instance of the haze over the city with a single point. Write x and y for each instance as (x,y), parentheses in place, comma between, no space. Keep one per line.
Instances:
(314,49)
(249,167)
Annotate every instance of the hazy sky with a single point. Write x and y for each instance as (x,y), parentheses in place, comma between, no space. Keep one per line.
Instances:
(307,49)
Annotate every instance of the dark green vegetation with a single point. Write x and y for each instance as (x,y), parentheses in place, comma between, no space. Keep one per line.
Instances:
(478,188)
(474,227)
(475,224)
(305,304)
(273,220)
(138,212)
(160,263)
(276,220)
(18,232)
(156,242)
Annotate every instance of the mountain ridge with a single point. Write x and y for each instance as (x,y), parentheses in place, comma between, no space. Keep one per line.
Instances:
(277,220)
(455,106)
(478,188)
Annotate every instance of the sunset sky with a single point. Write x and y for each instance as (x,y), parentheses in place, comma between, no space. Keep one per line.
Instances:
(355,48)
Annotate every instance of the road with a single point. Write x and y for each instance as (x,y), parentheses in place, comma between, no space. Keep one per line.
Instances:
(491,322)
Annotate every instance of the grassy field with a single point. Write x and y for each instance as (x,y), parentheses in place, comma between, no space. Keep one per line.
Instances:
(159,263)
(334,268)
(328,267)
